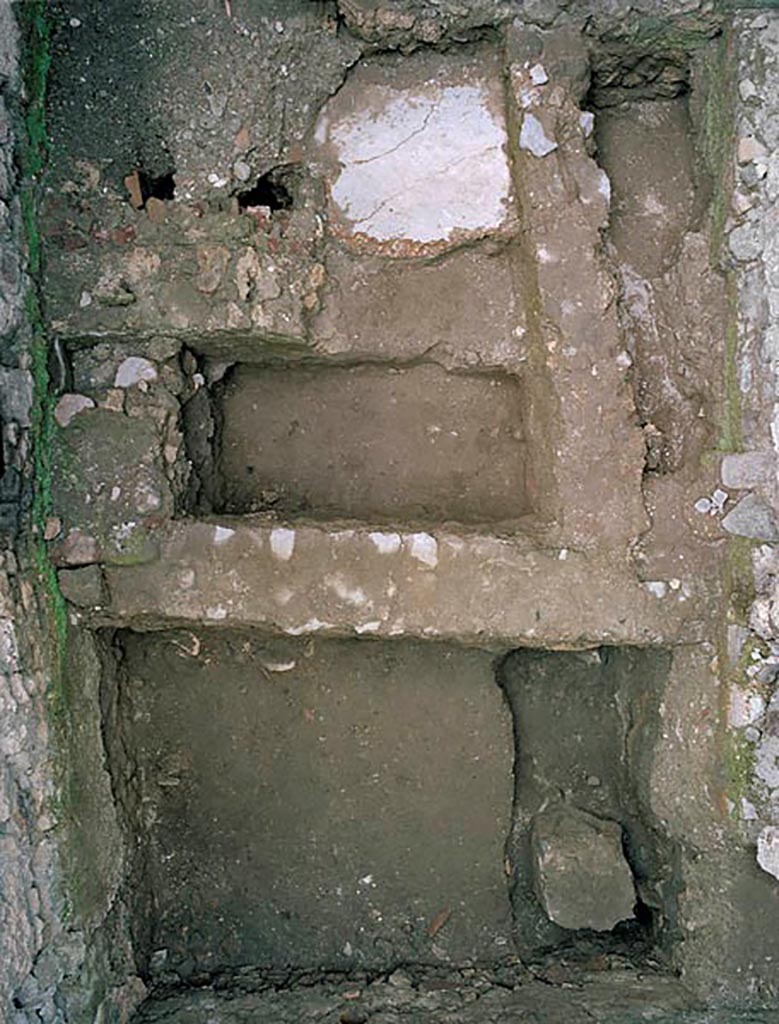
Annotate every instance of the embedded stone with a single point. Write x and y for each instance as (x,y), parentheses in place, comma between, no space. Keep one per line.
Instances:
(581,876)
(768,850)
(70,406)
(744,470)
(750,149)
(534,139)
(133,370)
(83,586)
(753,518)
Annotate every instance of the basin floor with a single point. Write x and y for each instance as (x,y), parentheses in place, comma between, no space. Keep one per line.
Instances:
(497,995)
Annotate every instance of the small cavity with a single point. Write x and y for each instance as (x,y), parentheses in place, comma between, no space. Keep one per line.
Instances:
(272,190)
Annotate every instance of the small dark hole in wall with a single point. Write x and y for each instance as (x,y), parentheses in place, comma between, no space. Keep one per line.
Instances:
(270,190)
(162,187)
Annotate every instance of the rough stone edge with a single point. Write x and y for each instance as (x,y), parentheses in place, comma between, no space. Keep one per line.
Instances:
(57,963)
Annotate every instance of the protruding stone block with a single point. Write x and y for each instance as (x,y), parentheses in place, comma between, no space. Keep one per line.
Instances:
(745,470)
(753,518)
(581,876)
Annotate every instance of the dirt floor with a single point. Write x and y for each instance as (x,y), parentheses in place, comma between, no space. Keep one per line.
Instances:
(267,773)
(372,443)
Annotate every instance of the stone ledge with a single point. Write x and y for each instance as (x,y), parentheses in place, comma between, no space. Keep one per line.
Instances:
(335,580)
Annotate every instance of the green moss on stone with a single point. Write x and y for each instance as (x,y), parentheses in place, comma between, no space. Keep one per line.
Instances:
(739,578)
(716,79)
(740,759)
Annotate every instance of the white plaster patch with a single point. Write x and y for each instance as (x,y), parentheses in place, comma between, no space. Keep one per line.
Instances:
(278,666)
(217,612)
(282,543)
(424,548)
(368,627)
(222,534)
(386,543)
(419,163)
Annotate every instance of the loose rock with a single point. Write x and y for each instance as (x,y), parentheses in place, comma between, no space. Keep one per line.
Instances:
(581,876)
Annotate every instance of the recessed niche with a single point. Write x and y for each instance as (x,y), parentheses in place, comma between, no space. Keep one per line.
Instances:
(325,804)
(372,443)
(592,870)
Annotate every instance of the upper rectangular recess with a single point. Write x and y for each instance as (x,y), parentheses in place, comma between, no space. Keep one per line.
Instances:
(375,443)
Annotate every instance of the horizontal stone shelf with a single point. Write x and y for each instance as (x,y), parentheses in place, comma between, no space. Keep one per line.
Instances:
(244,572)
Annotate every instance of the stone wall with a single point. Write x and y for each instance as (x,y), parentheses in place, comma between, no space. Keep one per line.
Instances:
(63,949)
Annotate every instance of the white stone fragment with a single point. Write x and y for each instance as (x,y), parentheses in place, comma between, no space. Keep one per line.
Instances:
(587,122)
(386,543)
(747,89)
(748,810)
(538,75)
(368,627)
(719,499)
(534,139)
(133,370)
(424,548)
(768,850)
(69,406)
(312,626)
(703,506)
(657,588)
(222,534)
(282,543)
(767,761)
(278,666)
(745,708)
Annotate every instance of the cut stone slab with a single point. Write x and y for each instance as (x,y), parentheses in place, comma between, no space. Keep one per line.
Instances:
(416,153)
(753,517)
(581,876)
(745,470)
(320,804)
